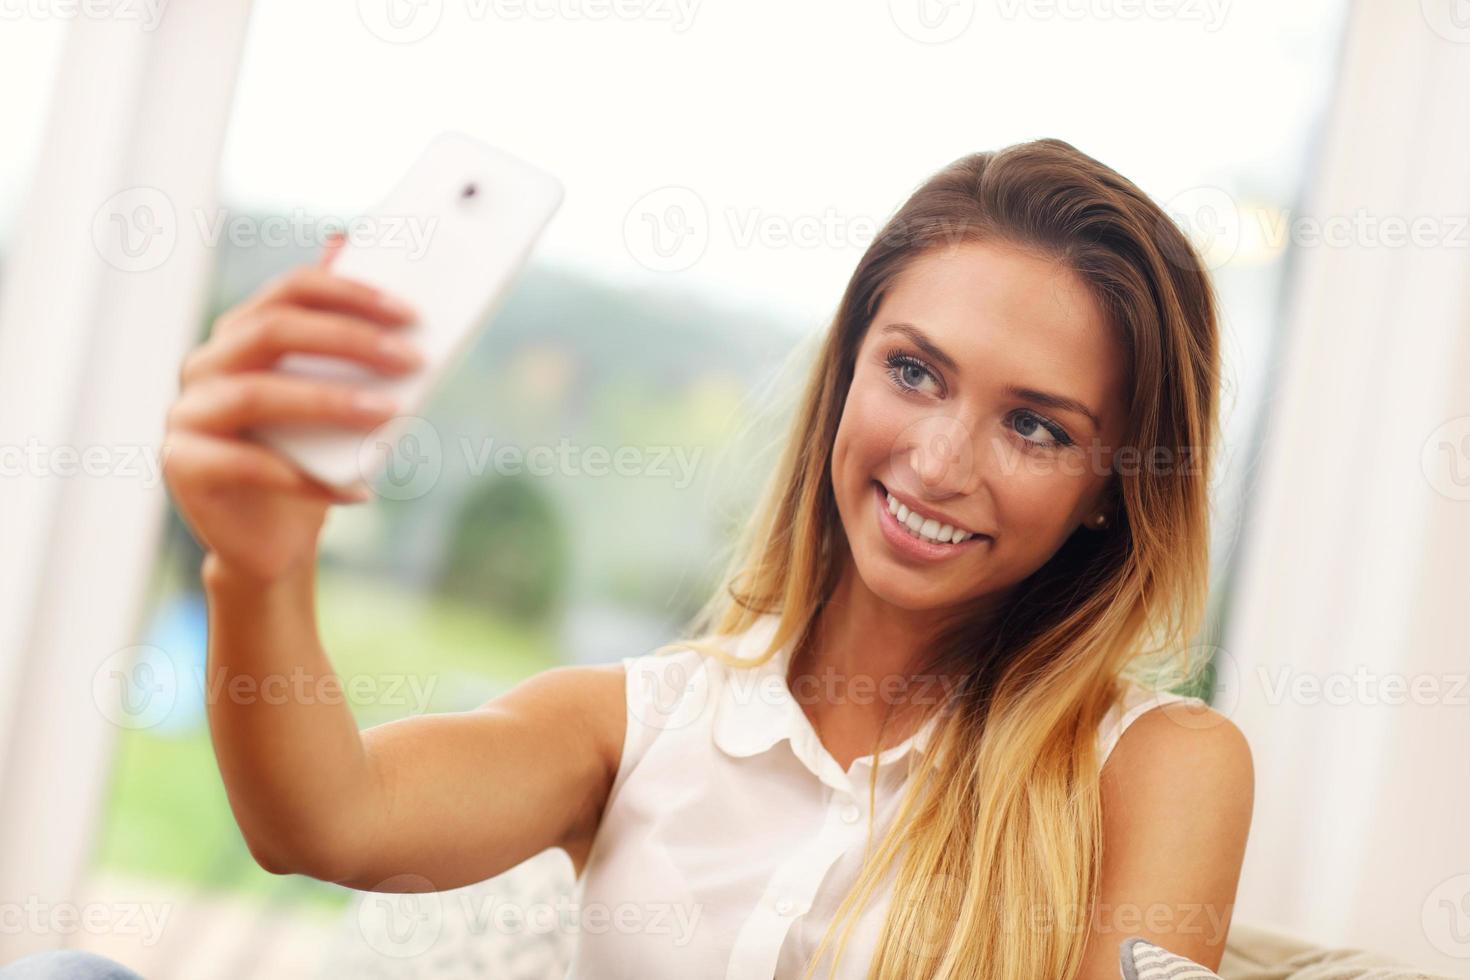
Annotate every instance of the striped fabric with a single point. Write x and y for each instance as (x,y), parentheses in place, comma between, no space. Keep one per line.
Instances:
(1141,960)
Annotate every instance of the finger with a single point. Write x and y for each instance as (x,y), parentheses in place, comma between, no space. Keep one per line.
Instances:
(212,462)
(226,404)
(261,342)
(330,249)
(322,289)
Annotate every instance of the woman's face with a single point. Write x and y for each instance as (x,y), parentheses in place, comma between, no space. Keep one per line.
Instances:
(951,411)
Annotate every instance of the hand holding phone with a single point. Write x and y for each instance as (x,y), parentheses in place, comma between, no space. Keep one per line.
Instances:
(449,240)
(322,356)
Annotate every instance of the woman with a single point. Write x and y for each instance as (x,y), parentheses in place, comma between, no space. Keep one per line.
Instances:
(991,514)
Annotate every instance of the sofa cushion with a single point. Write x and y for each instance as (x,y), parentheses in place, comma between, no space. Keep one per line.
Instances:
(1142,960)
(1253,953)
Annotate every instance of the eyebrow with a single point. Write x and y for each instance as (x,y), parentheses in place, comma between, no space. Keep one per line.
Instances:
(1046,398)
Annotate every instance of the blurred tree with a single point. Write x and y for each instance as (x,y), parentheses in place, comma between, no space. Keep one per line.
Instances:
(507,550)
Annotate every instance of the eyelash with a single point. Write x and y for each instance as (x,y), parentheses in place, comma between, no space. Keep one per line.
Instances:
(897,360)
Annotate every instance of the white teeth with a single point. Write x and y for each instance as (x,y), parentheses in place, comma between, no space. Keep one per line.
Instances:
(926,527)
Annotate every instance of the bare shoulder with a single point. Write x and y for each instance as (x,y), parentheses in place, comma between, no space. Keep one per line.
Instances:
(571,709)
(1178,747)
(585,700)
(1176,796)
(1180,768)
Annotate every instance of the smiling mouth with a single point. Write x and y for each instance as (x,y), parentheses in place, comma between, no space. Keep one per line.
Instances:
(916,531)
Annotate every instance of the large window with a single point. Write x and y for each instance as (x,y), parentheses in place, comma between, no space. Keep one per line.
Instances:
(726,164)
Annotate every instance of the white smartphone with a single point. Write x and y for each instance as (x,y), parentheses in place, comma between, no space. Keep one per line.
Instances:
(449,239)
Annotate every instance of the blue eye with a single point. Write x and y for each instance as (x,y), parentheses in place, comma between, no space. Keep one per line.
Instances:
(908,372)
(1059,437)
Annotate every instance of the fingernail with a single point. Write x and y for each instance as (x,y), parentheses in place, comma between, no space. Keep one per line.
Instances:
(400,350)
(396,307)
(374,403)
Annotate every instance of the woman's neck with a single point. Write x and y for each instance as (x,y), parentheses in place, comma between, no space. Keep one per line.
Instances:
(867,661)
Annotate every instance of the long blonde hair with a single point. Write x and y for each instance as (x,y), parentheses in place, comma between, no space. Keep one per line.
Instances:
(999,845)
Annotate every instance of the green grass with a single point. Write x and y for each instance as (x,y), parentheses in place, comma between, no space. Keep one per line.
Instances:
(168,817)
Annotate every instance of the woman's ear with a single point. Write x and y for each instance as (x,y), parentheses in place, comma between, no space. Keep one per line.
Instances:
(1102,514)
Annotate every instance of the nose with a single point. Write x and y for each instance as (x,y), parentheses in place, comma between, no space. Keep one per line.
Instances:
(940,451)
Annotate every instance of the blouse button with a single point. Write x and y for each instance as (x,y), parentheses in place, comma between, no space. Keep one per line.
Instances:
(784,906)
(850,813)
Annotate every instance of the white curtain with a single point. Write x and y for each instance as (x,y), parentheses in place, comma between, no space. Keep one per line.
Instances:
(91,335)
(1348,644)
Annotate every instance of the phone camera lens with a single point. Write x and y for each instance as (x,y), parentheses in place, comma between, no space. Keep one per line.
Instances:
(469,190)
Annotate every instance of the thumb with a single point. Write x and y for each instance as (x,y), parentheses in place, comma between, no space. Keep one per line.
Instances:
(335,241)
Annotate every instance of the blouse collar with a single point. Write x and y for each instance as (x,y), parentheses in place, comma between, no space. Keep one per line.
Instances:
(755,710)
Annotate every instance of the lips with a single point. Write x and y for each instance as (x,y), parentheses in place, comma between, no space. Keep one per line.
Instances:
(910,546)
(930,527)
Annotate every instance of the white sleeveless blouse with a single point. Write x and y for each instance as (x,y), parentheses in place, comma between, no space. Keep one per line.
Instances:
(730,834)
